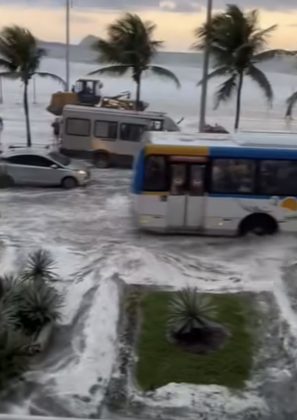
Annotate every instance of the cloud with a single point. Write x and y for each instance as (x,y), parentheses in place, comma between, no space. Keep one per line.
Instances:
(81,18)
(168,5)
(180,6)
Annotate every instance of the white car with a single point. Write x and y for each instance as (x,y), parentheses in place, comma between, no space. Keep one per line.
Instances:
(42,168)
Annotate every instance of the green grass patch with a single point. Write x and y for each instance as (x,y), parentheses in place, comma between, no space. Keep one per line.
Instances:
(161,363)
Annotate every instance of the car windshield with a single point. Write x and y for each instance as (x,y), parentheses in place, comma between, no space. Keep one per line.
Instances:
(63,160)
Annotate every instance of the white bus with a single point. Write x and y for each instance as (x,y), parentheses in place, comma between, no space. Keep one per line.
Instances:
(217,184)
(108,136)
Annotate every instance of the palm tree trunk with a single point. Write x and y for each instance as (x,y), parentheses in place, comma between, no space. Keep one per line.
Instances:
(238,102)
(26,109)
(138,91)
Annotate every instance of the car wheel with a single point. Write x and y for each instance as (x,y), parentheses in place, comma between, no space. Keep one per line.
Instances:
(101,160)
(69,183)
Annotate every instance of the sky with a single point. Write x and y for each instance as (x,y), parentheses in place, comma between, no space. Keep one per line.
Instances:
(175,19)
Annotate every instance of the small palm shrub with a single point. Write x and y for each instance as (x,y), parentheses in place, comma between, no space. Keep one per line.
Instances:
(192,323)
(14,355)
(28,303)
(189,311)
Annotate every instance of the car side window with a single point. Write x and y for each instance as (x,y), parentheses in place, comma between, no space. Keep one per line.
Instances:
(30,160)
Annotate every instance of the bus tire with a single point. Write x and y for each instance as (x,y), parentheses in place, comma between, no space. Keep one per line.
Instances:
(69,182)
(101,160)
(259,224)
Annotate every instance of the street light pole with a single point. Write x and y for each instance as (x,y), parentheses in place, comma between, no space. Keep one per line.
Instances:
(203,100)
(67,45)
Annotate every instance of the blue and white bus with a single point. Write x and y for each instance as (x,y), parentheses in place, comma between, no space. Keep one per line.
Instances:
(216,184)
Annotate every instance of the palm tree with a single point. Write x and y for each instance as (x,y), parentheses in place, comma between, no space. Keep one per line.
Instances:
(20,57)
(237,45)
(130,46)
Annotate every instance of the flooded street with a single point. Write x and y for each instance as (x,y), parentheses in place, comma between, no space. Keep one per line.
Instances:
(91,235)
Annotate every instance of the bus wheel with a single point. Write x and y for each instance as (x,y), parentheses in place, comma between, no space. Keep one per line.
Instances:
(101,160)
(258,224)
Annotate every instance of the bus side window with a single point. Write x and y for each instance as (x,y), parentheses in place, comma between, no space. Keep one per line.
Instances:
(278,177)
(78,127)
(106,129)
(233,176)
(178,179)
(155,176)
(131,132)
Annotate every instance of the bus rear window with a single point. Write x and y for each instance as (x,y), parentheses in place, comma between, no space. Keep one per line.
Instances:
(155,175)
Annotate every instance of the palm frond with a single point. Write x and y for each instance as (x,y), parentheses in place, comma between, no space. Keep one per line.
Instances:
(109,52)
(221,71)
(189,310)
(7,282)
(10,74)
(129,42)
(226,90)
(52,76)
(234,37)
(270,54)
(19,50)
(6,64)
(259,37)
(37,306)
(40,267)
(291,102)
(259,77)
(167,74)
(116,70)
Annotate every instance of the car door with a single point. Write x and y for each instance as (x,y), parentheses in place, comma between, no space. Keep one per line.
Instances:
(43,171)
(30,169)
(15,169)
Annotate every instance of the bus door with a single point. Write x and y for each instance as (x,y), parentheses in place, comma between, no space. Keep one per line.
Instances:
(186,201)
(176,202)
(195,206)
